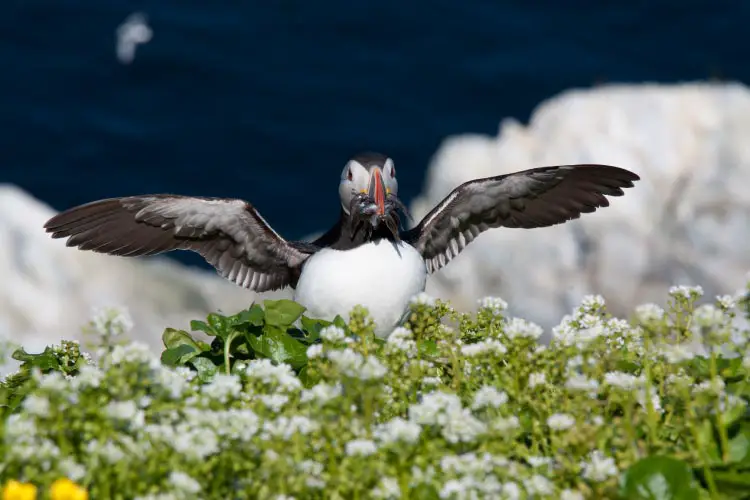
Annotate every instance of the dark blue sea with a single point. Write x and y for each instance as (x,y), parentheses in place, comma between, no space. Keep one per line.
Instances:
(265,100)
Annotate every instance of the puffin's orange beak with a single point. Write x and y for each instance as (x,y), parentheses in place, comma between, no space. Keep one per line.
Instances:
(377,190)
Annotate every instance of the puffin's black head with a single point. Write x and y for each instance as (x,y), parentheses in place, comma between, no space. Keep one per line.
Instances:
(369,190)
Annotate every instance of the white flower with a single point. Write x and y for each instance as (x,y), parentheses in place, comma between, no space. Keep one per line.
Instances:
(599,467)
(222,388)
(685,351)
(518,327)
(539,461)
(537,378)
(715,385)
(462,427)
(511,491)
(111,321)
(281,374)
(503,424)
(196,443)
(431,380)
(578,382)
(333,334)
(36,405)
(560,421)
(125,411)
(622,380)
(321,393)
(649,313)
(592,303)
(539,485)
(422,299)
(133,352)
(483,347)
(686,292)
(72,469)
(109,451)
(708,315)
(361,447)
(398,430)
(571,495)
(286,427)
(274,402)
(488,397)
(387,489)
(54,382)
(372,369)
(726,301)
(655,400)
(433,407)
(88,376)
(315,351)
(184,483)
(496,305)
(353,364)
(313,470)
(445,411)
(402,339)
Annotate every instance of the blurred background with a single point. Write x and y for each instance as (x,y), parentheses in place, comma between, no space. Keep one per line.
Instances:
(266,101)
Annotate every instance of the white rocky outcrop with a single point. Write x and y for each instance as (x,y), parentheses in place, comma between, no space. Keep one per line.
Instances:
(686,222)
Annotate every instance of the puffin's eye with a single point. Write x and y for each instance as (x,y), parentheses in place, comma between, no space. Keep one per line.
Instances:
(393,172)
(349,176)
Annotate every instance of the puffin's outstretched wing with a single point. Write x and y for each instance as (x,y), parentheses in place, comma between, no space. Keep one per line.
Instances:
(537,197)
(230,234)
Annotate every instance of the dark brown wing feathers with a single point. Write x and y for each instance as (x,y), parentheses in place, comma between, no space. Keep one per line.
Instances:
(538,197)
(229,234)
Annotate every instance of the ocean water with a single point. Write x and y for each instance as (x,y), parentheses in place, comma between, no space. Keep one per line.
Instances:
(266,100)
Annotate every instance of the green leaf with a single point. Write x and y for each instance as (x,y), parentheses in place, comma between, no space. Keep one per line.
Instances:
(253,316)
(709,442)
(659,478)
(424,492)
(173,338)
(341,323)
(205,367)
(21,355)
(739,445)
(179,354)
(282,312)
(312,328)
(280,347)
(202,326)
(732,484)
(220,324)
(428,347)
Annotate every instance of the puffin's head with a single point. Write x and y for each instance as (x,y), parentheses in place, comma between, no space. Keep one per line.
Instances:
(369,190)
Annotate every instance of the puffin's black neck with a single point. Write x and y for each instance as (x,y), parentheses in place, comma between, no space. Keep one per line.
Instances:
(344,236)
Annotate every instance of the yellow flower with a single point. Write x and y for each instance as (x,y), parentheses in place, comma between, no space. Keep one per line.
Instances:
(65,489)
(19,491)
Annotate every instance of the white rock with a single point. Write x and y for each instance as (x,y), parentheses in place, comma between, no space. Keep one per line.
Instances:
(47,290)
(685,222)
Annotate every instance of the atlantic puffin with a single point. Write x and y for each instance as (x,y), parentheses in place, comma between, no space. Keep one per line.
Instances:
(367,257)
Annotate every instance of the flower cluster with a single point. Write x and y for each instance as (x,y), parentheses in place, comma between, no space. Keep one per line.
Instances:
(479,409)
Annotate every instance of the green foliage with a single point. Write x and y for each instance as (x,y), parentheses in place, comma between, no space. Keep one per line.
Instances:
(255,333)
(451,405)
(65,358)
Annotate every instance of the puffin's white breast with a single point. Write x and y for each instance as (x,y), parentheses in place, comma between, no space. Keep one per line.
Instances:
(381,276)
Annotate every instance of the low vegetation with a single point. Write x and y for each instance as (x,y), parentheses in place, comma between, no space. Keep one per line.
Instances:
(452,405)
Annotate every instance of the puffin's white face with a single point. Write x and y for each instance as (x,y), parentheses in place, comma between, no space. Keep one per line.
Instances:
(372,181)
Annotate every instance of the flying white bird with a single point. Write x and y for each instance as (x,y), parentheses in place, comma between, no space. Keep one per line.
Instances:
(132,32)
